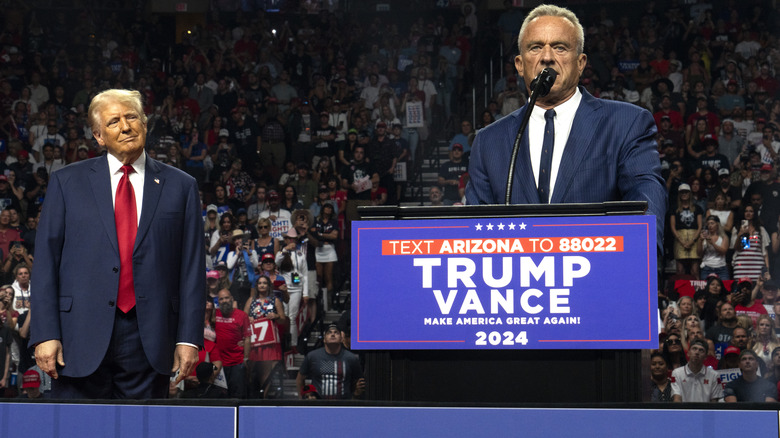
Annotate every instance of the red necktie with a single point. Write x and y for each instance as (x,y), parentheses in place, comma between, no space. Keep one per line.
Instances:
(126,227)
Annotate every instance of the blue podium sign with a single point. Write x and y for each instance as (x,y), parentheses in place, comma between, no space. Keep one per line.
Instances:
(505,283)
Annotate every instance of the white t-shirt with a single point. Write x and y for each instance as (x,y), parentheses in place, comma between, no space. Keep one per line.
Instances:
(703,386)
(55,139)
(711,258)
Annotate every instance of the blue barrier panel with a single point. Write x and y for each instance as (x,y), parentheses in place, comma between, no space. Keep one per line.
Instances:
(117,421)
(321,421)
(134,421)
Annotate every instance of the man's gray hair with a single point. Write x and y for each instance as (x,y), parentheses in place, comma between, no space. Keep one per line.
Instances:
(130,98)
(553,11)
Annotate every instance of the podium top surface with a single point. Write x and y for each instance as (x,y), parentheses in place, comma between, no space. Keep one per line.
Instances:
(393,212)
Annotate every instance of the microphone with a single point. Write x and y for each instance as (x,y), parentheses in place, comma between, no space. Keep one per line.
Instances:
(540,87)
(543,82)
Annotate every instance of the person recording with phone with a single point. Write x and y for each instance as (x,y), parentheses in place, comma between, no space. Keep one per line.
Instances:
(17,254)
(577,148)
(750,244)
(241,263)
(295,270)
(713,245)
(195,152)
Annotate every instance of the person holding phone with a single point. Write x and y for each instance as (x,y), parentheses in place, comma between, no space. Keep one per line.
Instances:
(241,264)
(17,254)
(713,245)
(295,270)
(8,234)
(750,244)
(195,152)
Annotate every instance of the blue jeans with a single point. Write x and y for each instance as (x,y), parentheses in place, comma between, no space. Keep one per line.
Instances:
(236,380)
(722,272)
(413,137)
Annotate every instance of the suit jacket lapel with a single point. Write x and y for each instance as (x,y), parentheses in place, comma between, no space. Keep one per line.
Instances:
(586,119)
(100,182)
(153,184)
(524,190)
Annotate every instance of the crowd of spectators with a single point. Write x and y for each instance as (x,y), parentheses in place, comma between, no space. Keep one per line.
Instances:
(289,121)
(708,73)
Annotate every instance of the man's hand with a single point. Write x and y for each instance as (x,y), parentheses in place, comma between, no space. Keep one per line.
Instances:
(48,355)
(184,359)
(360,387)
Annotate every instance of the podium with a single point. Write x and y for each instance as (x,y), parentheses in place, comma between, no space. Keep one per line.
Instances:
(537,308)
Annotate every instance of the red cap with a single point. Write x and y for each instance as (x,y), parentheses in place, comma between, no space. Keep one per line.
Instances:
(309,389)
(31,379)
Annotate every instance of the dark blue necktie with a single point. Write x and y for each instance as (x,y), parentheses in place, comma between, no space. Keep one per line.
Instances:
(545,163)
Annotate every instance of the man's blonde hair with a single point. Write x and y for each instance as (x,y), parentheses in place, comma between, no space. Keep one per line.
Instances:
(130,98)
(553,11)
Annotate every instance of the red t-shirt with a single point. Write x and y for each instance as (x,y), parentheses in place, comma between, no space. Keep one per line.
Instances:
(377,195)
(753,311)
(675,118)
(712,121)
(231,331)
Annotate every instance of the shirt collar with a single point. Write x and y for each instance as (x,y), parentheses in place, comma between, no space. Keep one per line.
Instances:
(571,105)
(115,166)
(565,110)
(690,372)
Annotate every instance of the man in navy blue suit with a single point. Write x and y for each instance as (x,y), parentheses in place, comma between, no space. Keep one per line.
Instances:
(110,326)
(600,151)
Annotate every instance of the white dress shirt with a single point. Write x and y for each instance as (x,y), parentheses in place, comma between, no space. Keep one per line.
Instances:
(564,118)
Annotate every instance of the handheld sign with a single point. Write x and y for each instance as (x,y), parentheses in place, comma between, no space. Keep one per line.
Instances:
(264,332)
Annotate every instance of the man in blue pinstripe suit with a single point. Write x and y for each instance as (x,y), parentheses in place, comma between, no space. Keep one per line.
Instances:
(601,150)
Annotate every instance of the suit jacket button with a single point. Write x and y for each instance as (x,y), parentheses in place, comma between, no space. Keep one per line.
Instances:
(116,269)
(111,303)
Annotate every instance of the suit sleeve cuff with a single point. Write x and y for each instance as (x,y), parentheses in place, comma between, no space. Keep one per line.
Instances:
(188,344)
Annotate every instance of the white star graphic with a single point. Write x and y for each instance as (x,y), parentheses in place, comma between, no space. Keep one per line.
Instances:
(501,226)
(511,226)
(522,225)
(489,227)
(478,227)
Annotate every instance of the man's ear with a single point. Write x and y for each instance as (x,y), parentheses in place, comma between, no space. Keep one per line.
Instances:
(99,138)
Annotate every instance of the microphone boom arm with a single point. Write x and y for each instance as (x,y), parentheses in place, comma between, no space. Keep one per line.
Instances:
(541,86)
